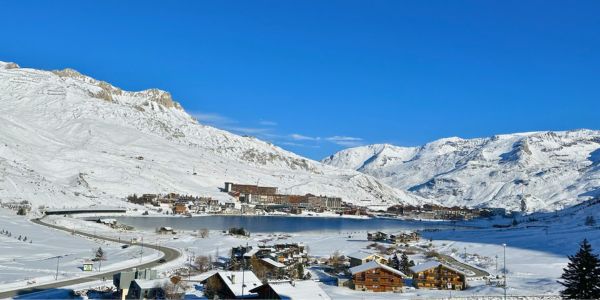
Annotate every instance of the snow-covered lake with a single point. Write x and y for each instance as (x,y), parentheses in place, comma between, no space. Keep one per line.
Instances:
(271,224)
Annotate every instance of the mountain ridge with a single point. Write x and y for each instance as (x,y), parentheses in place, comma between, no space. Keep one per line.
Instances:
(529,171)
(71,140)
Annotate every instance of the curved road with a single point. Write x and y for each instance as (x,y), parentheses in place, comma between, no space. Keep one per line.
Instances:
(169,254)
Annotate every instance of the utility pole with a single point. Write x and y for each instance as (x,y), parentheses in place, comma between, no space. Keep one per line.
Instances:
(244,266)
(57,263)
(465,254)
(504,245)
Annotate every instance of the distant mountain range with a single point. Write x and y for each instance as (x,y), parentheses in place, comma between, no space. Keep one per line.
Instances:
(536,171)
(67,140)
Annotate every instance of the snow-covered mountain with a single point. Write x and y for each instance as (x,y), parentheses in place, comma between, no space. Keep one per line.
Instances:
(67,139)
(534,171)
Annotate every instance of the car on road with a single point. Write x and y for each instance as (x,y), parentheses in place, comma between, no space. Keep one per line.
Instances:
(162,261)
(124,246)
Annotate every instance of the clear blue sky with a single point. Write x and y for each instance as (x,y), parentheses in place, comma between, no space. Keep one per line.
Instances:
(317,76)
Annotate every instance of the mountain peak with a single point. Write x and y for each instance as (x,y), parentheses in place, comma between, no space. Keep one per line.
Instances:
(554,167)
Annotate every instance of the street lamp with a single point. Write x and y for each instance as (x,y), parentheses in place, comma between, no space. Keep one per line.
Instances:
(504,245)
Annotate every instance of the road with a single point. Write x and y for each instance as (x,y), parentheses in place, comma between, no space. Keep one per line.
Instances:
(169,254)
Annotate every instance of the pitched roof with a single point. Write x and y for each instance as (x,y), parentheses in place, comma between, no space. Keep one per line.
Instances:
(273,263)
(150,284)
(425,266)
(303,289)
(434,264)
(361,254)
(373,265)
(233,280)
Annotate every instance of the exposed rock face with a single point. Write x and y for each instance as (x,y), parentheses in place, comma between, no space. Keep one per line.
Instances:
(9,66)
(110,93)
(160,97)
(62,146)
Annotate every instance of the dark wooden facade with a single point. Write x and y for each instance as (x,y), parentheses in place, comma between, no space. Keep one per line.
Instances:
(377,280)
(440,277)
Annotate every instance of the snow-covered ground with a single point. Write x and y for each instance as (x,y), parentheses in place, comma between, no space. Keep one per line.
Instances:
(534,258)
(26,263)
(533,171)
(68,140)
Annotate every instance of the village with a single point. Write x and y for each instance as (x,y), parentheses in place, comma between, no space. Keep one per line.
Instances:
(260,200)
(288,271)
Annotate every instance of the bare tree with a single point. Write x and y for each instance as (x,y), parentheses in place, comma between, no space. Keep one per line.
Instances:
(203,263)
(174,289)
(336,261)
(204,233)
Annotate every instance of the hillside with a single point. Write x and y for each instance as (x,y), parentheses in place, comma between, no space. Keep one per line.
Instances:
(537,171)
(70,140)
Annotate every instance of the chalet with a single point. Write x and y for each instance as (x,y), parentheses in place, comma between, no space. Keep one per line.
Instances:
(289,289)
(404,237)
(377,277)
(180,208)
(266,268)
(437,275)
(377,236)
(232,284)
(361,257)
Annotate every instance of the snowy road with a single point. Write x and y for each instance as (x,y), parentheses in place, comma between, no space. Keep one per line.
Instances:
(169,254)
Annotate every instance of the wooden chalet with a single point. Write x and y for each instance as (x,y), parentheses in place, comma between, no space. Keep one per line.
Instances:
(437,275)
(376,277)
(360,257)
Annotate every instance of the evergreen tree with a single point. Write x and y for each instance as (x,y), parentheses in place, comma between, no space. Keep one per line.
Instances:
(404,264)
(582,275)
(100,255)
(300,270)
(395,262)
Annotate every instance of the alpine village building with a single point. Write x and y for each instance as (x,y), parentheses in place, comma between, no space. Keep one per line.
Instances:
(437,275)
(376,277)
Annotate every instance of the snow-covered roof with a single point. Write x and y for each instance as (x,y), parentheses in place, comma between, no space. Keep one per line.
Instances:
(304,289)
(433,264)
(234,279)
(273,263)
(360,255)
(149,284)
(373,265)
(425,266)
(252,252)
(167,228)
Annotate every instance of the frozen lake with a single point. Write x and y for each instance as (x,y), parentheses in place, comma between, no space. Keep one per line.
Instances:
(269,224)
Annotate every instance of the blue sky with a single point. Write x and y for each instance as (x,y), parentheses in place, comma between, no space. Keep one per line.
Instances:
(318,76)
